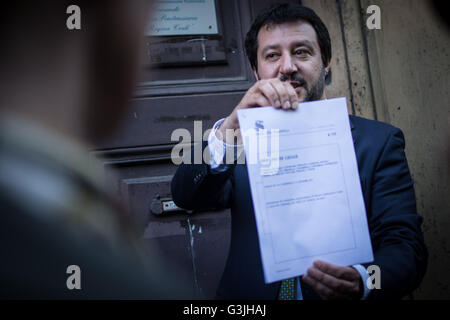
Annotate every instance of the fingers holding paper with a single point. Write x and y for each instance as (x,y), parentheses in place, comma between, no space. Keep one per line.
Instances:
(270,92)
(267,92)
(334,282)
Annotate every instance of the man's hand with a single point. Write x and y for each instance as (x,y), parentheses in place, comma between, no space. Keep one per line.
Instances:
(268,92)
(334,282)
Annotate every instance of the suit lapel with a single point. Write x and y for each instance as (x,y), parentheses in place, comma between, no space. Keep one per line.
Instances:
(355,133)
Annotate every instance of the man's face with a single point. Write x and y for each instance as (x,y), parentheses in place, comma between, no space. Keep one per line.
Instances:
(291,50)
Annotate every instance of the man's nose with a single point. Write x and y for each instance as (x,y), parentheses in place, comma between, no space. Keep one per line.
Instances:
(287,65)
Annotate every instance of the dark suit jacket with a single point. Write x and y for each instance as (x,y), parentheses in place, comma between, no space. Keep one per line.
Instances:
(395,226)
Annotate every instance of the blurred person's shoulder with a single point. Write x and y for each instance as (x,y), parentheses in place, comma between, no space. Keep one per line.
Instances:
(52,178)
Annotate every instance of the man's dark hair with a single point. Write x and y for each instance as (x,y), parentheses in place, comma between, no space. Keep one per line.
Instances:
(283,13)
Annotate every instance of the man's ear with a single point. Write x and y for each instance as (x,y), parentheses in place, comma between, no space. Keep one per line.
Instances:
(255,73)
(327,67)
(328,74)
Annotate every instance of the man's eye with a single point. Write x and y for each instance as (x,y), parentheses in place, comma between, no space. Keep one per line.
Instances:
(271,55)
(301,52)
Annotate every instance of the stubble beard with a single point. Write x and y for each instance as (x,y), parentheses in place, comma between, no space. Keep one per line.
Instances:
(315,92)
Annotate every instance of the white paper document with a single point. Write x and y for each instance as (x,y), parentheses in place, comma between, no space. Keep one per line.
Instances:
(305,187)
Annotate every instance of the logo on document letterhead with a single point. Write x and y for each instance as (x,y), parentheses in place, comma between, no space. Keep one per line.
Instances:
(259,125)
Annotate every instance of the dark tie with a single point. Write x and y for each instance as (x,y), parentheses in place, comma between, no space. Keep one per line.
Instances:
(287,290)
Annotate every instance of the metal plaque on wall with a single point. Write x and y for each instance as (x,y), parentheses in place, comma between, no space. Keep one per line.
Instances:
(183,17)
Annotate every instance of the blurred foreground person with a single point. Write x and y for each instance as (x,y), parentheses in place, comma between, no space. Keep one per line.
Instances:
(61,233)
